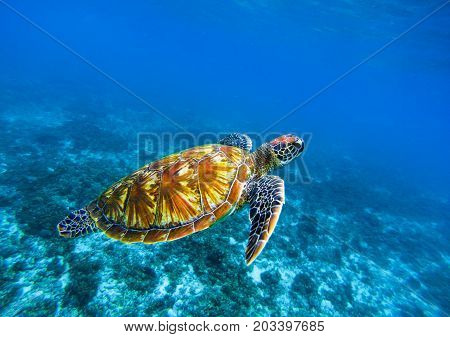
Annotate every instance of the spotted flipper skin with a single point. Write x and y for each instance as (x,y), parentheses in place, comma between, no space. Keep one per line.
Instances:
(77,223)
(238,140)
(266,197)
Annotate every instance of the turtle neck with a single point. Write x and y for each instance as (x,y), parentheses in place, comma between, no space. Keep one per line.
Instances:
(264,160)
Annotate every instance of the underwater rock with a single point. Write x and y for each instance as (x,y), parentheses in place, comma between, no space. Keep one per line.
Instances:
(271,278)
(303,284)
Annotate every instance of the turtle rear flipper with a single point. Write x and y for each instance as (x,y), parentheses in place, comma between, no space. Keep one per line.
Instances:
(77,223)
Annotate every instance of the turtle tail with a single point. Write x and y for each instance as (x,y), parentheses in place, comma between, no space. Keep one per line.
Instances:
(77,223)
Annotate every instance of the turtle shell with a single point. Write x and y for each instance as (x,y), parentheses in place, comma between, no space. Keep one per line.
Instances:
(173,197)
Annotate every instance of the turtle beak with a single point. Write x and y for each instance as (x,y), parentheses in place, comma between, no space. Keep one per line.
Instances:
(299,145)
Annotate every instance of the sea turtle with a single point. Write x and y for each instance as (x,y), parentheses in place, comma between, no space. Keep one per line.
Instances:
(189,191)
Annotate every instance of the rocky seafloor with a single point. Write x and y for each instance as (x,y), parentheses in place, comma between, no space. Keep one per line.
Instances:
(346,244)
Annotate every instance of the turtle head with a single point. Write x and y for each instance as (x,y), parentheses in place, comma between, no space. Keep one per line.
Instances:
(287,147)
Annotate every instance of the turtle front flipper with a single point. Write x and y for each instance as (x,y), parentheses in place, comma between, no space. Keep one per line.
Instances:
(77,223)
(238,140)
(266,197)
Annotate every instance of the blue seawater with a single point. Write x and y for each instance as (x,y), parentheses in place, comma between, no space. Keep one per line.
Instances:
(365,233)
